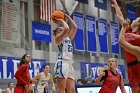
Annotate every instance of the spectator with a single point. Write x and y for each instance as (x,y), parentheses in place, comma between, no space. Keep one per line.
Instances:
(79,82)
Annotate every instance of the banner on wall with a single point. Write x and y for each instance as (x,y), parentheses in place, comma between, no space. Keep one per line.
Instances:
(41,32)
(8,67)
(91,34)
(91,70)
(10,21)
(131,12)
(102,4)
(103,35)
(79,41)
(114,30)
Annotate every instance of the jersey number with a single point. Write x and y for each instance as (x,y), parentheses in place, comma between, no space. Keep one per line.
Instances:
(69,48)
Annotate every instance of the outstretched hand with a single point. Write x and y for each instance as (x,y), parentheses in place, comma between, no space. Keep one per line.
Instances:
(126,23)
(59,21)
(66,16)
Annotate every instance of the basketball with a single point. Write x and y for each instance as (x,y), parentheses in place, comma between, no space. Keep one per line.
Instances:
(57,15)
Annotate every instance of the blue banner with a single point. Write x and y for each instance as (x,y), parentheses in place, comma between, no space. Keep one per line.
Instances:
(114,30)
(131,12)
(103,35)
(79,41)
(102,4)
(91,70)
(91,34)
(8,67)
(41,32)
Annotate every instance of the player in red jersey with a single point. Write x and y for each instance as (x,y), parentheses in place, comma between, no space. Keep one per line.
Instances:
(132,32)
(22,75)
(133,67)
(111,78)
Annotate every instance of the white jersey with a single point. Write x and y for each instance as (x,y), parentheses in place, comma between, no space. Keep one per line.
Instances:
(10,91)
(65,50)
(42,82)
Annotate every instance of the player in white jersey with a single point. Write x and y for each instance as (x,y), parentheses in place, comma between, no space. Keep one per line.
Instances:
(10,88)
(43,79)
(64,72)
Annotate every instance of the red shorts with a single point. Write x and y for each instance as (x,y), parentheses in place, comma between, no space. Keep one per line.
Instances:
(134,75)
(20,89)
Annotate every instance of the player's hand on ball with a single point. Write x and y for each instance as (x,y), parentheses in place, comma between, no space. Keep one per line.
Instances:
(59,21)
(66,16)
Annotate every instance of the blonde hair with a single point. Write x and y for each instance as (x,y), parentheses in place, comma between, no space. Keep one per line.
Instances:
(114,59)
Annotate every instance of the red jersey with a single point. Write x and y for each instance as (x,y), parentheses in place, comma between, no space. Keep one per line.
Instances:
(129,56)
(22,75)
(111,82)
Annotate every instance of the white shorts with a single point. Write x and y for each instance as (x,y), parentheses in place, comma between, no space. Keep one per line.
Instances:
(64,69)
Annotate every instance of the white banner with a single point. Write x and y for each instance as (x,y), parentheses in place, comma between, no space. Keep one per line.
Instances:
(10,23)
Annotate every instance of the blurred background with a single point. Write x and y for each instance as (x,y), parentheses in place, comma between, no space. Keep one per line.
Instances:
(26,27)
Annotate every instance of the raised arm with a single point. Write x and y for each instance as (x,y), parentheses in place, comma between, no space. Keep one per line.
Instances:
(119,14)
(101,74)
(74,28)
(59,37)
(127,46)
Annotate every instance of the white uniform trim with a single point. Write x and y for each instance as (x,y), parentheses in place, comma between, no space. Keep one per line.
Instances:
(63,67)
(42,82)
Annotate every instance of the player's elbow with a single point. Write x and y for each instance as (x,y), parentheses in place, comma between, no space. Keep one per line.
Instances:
(16,74)
(75,27)
(138,52)
(120,41)
(67,29)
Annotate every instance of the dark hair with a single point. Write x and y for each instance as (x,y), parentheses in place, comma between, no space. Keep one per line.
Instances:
(9,83)
(55,30)
(46,65)
(22,60)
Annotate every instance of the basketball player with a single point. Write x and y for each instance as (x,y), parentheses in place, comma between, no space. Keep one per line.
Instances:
(134,76)
(22,75)
(43,78)
(64,72)
(10,88)
(111,78)
(132,32)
